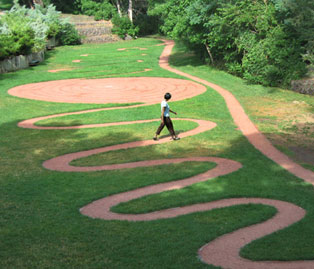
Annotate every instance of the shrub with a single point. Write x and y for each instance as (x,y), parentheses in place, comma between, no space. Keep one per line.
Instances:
(272,61)
(45,22)
(68,35)
(101,10)
(123,26)
(89,7)
(24,30)
(16,36)
(105,13)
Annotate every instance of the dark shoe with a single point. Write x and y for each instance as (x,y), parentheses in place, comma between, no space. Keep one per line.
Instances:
(176,138)
(155,138)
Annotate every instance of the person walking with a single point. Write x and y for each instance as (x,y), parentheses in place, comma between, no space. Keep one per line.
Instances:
(165,118)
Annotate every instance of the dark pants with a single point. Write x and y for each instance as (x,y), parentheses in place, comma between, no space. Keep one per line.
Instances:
(168,123)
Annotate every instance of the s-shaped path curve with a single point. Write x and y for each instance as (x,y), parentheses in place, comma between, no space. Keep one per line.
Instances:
(223,251)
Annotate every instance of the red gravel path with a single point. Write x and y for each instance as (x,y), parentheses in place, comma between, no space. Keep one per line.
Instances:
(223,251)
(61,163)
(256,138)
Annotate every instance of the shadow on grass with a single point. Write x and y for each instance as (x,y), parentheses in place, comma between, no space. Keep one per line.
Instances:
(56,196)
(7,76)
(61,123)
(48,55)
(32,147)
(178,59)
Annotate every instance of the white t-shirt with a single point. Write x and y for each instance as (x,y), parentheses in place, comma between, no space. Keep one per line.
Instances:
(165,105)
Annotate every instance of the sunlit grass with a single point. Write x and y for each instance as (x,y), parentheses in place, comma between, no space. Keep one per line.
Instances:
(41,226)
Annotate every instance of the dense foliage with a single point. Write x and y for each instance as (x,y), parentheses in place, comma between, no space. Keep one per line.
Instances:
(68,35)
(132,12)
(123,27)
(24,30)
(6,4)
(102,10)
(269,42)
(260,40)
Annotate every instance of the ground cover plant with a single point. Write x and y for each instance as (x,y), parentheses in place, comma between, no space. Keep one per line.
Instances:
(24,31)
(40,218)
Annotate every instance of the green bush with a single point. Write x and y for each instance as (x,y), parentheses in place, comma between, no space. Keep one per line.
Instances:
(6,4)
(274,60)
(262,41)
(105,13)
(6,44)
(101,10)
(89,7)
(123,27)
(68,35)
(16,36)
(24,30)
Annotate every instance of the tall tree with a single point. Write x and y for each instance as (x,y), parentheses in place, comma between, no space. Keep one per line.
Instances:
(118,5)
(130,10)
(250,38)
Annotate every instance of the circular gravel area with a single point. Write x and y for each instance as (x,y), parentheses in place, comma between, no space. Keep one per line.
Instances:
(109,90)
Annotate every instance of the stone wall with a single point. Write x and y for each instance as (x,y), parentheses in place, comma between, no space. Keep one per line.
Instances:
(15,63)
(92,31)
(305,86)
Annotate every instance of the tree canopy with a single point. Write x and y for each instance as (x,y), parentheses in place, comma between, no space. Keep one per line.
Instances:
(260,40)
(270,42)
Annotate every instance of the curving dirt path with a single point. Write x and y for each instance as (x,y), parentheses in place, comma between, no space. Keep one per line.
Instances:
(223,251)
(62,163)
(256,138)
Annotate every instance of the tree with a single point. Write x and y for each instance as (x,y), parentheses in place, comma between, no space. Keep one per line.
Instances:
(298,17)
(117,4)
(32,3)
(261,40)
(130,10)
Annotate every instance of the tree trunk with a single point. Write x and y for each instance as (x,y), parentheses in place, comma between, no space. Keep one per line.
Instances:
(31,4)
(209,53)
(119,8)
(130,10)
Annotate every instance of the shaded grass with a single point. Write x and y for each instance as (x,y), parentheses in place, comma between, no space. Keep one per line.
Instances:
(41,226)
(284,116)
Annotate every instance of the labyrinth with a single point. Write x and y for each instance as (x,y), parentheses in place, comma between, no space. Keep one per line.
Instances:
(110,90)
(224,250)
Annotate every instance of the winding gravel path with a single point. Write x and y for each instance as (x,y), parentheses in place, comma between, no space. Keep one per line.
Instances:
(223,251)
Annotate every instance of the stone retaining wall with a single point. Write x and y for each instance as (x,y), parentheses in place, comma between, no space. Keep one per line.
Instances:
(20,62)
(305,86)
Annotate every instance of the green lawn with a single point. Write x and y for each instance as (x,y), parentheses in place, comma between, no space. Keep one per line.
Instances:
(41,226)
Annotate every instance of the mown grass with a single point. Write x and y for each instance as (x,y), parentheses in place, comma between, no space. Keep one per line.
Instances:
(41,226)
(285,117)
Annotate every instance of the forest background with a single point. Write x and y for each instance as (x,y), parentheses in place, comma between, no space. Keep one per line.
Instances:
(268,42)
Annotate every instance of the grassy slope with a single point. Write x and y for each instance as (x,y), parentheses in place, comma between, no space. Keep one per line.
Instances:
(285,117)
(41,224)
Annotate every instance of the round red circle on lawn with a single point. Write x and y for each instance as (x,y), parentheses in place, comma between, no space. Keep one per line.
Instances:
(109,90)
